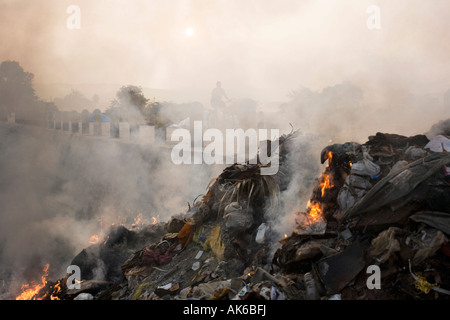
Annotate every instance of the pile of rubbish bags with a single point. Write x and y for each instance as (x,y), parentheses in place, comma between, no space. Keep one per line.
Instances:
(379,206)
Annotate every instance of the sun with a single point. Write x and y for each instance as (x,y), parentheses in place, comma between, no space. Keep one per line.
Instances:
(189,32)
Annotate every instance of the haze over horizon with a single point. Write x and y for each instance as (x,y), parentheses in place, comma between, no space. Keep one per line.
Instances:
(258,49)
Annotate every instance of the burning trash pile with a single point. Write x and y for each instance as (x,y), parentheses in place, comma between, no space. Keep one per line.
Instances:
(383,205)
(41,291)
(379,206)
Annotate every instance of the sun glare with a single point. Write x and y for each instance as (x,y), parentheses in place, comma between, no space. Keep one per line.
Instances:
(189,32)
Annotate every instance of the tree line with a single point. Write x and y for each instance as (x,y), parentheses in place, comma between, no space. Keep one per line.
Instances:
(18,96)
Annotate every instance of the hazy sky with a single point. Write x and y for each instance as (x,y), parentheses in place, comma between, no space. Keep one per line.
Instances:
(260,49)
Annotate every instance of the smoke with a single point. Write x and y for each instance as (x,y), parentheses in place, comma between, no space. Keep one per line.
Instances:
(57,190)
(338,114)
(258,49)
(312,63)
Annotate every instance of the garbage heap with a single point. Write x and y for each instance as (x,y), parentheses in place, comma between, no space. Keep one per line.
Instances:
(203,253)
(377,223)
(376,227)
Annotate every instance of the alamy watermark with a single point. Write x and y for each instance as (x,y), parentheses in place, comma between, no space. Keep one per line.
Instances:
(73,281)
(374,280)
(74,20)
(374,20)
(229,149)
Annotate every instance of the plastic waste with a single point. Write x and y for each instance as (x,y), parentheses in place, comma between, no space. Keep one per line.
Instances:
(414,153)
(215,242)
(166,286)
(260,235)
(385,244)
(196,265)
(438,144)
(84,296)
(346,234)
(170,288)
(399,165)
(276,294)
(428,241)
(311,288)
(241,292)
(366,167)
(398,184)
(233,206)
(265,292)
(198,255)
(435,219)
(238,220)
(263,275)
(423,285)
(192,216)
(355,188)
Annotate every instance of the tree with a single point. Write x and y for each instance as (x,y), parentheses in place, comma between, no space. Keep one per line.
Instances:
(74,101)
(17,94)
(131,97)
(128,105)
(16,90)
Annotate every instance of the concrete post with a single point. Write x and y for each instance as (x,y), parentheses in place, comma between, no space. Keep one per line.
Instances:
(51,121)
(91,128)
(106,129)
(59,123)
(124,130)
(12,117)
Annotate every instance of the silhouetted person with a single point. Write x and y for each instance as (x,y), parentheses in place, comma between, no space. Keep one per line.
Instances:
(217,100)
(217,96)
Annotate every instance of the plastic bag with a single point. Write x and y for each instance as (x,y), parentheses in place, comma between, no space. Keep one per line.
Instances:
(366,167)
(355,188)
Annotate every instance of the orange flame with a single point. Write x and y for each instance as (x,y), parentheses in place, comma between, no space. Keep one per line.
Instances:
(326,183)
(93,239)
(155,220)
(29,293)
(137,220)
(56,290)
(329,157)
(314,210)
